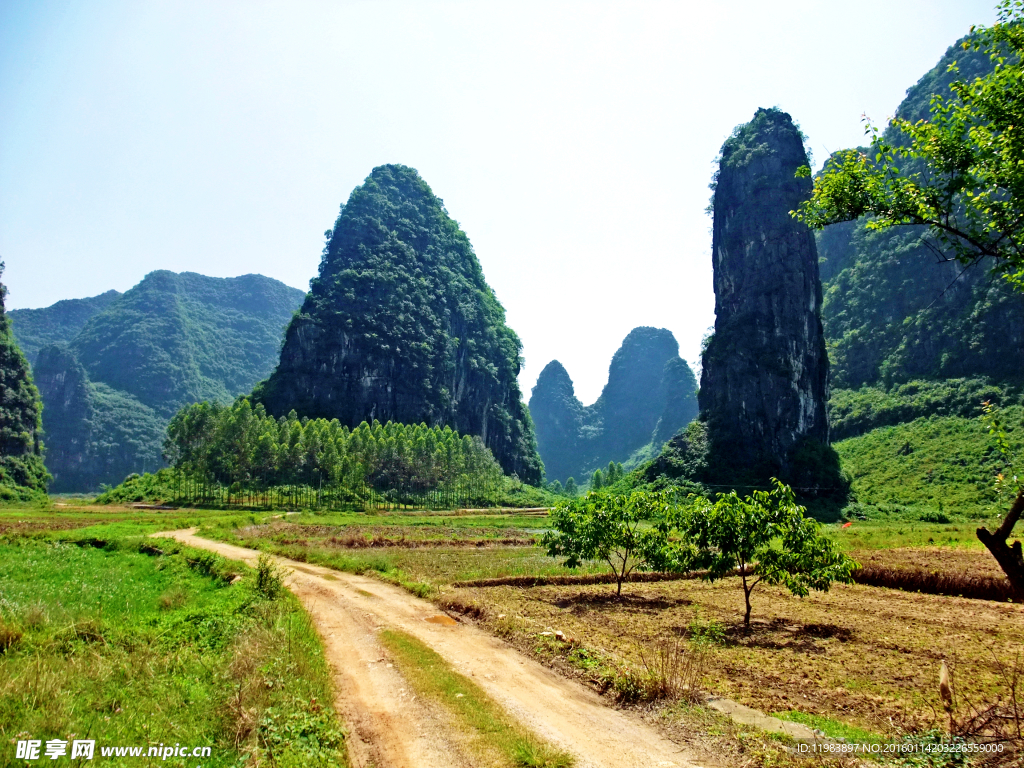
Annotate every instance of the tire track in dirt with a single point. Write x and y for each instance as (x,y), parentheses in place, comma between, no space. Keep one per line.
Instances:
(390,729)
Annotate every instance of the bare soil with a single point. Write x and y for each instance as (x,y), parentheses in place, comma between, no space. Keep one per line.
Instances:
(390,728)
(866,656)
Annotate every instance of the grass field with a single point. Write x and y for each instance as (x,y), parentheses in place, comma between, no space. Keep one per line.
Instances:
(132,645)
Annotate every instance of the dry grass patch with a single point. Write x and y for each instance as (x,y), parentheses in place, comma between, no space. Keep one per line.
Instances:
(862,655)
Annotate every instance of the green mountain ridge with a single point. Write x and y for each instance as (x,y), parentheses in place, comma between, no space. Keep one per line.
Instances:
(169,341)
(651,393)
(56,324)
(894,310)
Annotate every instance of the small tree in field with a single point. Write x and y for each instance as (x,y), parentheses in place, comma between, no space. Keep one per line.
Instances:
(627,532)
(765,537)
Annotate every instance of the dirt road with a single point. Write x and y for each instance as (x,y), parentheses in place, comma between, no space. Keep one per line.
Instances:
(391,729)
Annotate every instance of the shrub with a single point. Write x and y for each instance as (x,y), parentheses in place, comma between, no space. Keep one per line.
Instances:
(269,579)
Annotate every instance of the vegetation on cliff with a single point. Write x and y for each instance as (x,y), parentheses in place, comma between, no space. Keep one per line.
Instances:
(22,473)
(651,394)
(957,171)
(897,305)
(171,340)
(400,325)
(57,324)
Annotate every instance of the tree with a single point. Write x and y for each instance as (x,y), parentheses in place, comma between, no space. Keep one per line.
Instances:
(1010,557)
(960,173)
(570,487)
(763,537)
(626,532)
(596,480)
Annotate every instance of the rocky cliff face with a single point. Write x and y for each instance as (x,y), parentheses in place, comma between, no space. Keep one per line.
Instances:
(764,385)
(95,434)
(650,394)
(558,418)
(400,325)
(22,473)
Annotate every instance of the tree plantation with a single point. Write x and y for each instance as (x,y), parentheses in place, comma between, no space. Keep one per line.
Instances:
(239,453)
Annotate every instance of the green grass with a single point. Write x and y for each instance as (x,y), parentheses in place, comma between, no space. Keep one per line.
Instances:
(833,729)
(127,646)
(943,465)
(490,730)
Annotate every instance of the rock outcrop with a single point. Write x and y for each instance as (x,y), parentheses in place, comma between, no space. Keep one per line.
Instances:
(650,395)
(400,325)
(95,434)
(558,418)
(764,386)
(22,473)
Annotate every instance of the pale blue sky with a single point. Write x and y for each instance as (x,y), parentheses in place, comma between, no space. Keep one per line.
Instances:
(574,142)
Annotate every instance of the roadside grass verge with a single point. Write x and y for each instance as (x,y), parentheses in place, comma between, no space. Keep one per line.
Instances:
(491,732)
(830,727)
(131,642)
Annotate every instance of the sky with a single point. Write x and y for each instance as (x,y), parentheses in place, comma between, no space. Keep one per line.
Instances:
(573,141)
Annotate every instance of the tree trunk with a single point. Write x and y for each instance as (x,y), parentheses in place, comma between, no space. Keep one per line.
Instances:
(746,598)
(1010,558)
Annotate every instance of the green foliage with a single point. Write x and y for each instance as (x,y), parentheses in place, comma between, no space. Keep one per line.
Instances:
(570,487)
(269,579)
(857,412)
(762,537)
(960,173)
(130,360)
(401,291)
(936,464)
(243,449)
(892,315)
(154,643)
(22,473)
(176,339)
(596,480)
(149,487)
(96,434)
(628,532)
(56,324)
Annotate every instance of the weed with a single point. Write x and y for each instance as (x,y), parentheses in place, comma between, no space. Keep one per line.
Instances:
(9,636)
(269,579)
(675,669)
(490,729)
(172,598)
(529,754)
(708,632)
(303,735)
(832,728)
(935,517)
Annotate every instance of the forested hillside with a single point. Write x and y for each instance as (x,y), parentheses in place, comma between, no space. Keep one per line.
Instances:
(400,325)
(171,340)
(651,393)
(894,311)
(22,474)
(56,324)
